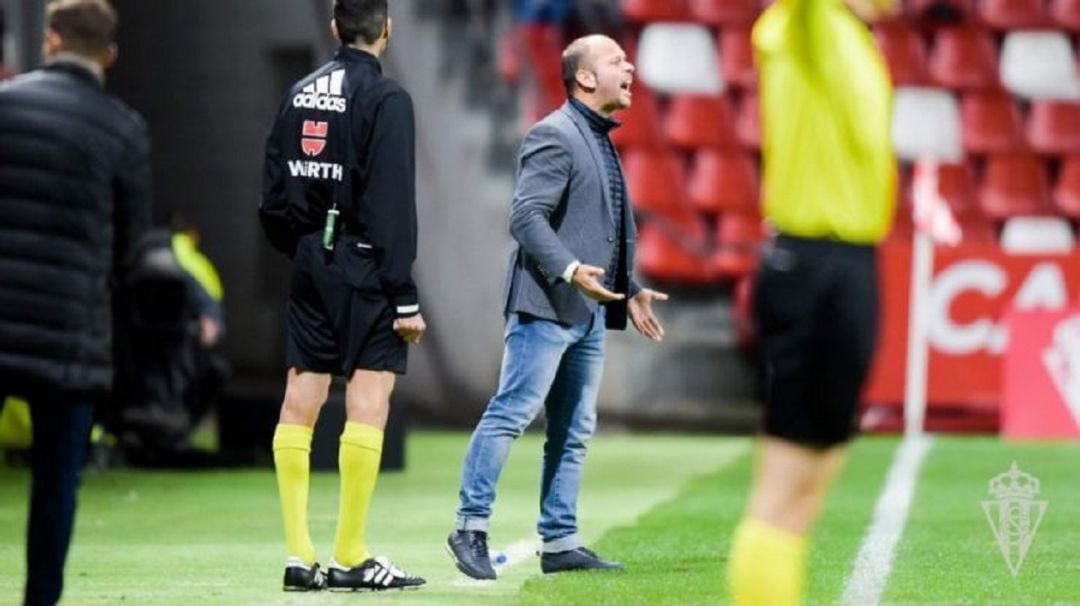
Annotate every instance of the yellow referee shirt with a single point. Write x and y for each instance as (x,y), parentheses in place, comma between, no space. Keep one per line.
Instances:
(826,107)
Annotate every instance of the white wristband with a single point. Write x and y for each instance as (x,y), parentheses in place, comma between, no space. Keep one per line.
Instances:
(568,273)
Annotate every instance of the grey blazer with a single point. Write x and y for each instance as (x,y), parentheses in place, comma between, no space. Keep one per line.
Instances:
(562,212)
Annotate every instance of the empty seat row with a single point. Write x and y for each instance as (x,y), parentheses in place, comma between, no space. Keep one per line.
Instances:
(992,122)
(717,181)
(997,14)
(930,122)
(723,180)
(690,121)
(688,58)
(1033,64)
(1012,184)
(680,251)
(684,58)
(1018,235)
(1008,14)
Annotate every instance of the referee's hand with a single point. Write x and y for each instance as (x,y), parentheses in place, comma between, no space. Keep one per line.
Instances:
(411,329)
(587,279)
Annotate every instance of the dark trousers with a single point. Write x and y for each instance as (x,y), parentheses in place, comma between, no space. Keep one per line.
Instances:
(61,429)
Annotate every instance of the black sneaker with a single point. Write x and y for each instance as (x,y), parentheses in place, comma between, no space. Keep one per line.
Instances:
(469,550)
(575,559)
(301,577)
(374,574)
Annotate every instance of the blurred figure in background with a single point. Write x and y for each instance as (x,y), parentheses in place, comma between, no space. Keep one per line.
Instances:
(339,198)
(210,369)
(169,371)
(74,202)
(830,181)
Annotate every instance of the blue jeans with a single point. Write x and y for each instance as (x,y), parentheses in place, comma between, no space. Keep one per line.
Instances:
(557,367)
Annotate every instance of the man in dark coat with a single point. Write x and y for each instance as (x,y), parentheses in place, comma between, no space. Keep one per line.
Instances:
(74,201)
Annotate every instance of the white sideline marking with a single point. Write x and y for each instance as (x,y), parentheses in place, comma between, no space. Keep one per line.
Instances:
(520,551)
(516,553)
(874,562)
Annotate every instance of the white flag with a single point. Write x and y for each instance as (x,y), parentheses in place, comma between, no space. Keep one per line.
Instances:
(932,215)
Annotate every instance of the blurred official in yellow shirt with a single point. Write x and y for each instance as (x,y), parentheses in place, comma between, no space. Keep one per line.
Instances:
(829,191)
(826,102)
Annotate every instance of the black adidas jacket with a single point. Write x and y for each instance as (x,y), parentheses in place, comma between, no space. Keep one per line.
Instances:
(345,135)
(74,202)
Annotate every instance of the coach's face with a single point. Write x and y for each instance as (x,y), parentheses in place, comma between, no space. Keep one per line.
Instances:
(613,74)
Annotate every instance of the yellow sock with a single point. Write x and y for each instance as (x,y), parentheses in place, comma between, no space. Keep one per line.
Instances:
(358,464)
(292,461)
(767,566)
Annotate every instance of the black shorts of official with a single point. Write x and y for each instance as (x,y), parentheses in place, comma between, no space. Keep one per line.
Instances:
(338,319)
(816,310)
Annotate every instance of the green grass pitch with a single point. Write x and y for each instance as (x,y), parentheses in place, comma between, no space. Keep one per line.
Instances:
(663,505)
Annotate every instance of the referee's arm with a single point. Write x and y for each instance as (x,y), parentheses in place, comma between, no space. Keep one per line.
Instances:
(390,199)
(274,204)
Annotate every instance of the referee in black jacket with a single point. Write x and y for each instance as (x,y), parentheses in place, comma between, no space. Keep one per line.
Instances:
(339,199)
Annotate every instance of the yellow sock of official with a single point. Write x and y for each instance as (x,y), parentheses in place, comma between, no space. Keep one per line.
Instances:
(767,566)
(292,463)
(358,464)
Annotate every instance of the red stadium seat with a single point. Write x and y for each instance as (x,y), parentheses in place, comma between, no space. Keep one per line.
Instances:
(748,121)
(543,46)
(699,121)
(662,257)
(1054,127)
(655,179)
(1066,14)
(508,60)
(724,180)
(738,236)
(1013,14)
(644,11)
(742,311)
(905,52)
(991,122)
(1067,190)
(641,122)
(724,12)
(963,58)
(1014,184)
(978,231)
(956,184)
(737,58)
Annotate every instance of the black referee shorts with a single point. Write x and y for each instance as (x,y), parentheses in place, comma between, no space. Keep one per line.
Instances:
(816,307)
(338,319)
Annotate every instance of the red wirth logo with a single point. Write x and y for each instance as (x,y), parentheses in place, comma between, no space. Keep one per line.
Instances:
(314,141)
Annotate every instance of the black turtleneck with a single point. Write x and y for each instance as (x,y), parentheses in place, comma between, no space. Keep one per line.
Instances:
(601,126)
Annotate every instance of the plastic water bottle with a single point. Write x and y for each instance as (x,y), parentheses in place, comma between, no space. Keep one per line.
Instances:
(500,559)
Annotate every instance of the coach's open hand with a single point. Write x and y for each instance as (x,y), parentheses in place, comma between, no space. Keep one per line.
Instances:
(411,329)
(641,314)
(587,278)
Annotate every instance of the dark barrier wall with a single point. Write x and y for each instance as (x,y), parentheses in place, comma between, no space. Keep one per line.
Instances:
(208,75)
